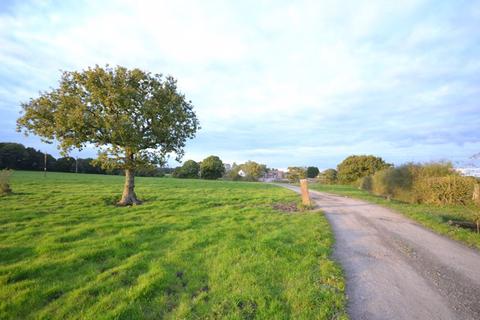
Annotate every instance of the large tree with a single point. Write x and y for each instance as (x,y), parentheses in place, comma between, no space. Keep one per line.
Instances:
(133,117)
(356,167)
(211,168)
(294,174)
(190,169)
(312,172)
(253,170)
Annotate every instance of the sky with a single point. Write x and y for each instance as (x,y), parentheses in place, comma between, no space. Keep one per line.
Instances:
(285,83)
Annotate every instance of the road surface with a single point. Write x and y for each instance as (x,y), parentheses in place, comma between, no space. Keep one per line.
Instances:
(396,269)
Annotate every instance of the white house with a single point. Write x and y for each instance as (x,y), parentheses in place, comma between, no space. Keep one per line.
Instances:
(242,173)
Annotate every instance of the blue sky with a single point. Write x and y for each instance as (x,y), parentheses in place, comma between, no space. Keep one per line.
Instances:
(282,83)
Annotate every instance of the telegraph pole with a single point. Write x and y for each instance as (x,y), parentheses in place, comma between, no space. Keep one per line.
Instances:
(76,164)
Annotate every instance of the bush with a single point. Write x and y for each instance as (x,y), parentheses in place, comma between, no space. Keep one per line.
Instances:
(328,176)
(433,169)
(5,182)
(452,189)
(394,183)
(365,183)
(431,183)
(382,183)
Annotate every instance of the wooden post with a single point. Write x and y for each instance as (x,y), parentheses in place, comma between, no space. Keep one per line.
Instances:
(45,165)
(476,194)
(305,195)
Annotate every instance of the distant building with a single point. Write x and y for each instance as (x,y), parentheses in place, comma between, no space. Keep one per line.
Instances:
(273,175)
(472,172)
(242,173)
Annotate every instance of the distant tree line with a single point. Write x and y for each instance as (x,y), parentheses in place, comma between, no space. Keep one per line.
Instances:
(210,168)
(18,157)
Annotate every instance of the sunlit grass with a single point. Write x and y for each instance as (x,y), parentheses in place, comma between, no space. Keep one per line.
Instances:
(195,250)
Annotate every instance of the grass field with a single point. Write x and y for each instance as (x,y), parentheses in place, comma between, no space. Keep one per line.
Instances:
(431,216)
(194,250)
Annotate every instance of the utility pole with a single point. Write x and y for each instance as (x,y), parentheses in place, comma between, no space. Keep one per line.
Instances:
(76,164)
(45,165)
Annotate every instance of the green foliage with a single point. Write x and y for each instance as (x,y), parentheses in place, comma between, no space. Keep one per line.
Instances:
(431,183)
(149,170)
(432,169)
(294,174)
(392,182)
(194,250)
(253,170)
(451,189)
(381,183)
(121,110)
(355,167)
(366,183)
(232,174)
(312,172)
(17,156)
(190,169)
(212,168)
(134,117)
(5,182)
(328,176)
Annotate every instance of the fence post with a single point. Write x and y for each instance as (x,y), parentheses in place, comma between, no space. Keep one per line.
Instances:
(305,195)
(476,194)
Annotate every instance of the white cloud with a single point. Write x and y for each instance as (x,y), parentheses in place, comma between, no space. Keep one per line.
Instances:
(316,79)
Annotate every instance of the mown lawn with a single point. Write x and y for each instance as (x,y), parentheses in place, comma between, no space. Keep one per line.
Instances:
(194,250)
(431,216)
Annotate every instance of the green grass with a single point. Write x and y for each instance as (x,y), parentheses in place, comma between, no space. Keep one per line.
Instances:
(430,216)
(194,250)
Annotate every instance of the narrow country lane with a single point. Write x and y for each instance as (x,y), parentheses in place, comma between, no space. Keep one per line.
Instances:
(396,269)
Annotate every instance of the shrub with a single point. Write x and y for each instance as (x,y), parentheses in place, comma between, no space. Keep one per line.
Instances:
(328,176)
(433,169)
(5,182)
(365,183)
(452,189)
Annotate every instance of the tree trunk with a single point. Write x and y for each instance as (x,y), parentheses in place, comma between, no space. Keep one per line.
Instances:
(129,197)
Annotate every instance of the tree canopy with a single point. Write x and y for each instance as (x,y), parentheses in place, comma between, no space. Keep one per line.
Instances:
(312,172)
(190,169)
(355,167)
(294,174)
(328,176)
(134,117)
(212,168)
(253,170)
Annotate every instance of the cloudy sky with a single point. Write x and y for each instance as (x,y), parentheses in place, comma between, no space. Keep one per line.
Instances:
(282,83)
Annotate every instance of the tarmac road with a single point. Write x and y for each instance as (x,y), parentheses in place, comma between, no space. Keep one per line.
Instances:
(396,269)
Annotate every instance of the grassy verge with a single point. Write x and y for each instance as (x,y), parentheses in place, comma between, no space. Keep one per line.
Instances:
(193,250)
(433,217)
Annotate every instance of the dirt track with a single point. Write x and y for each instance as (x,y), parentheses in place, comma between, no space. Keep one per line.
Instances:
(396,269)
